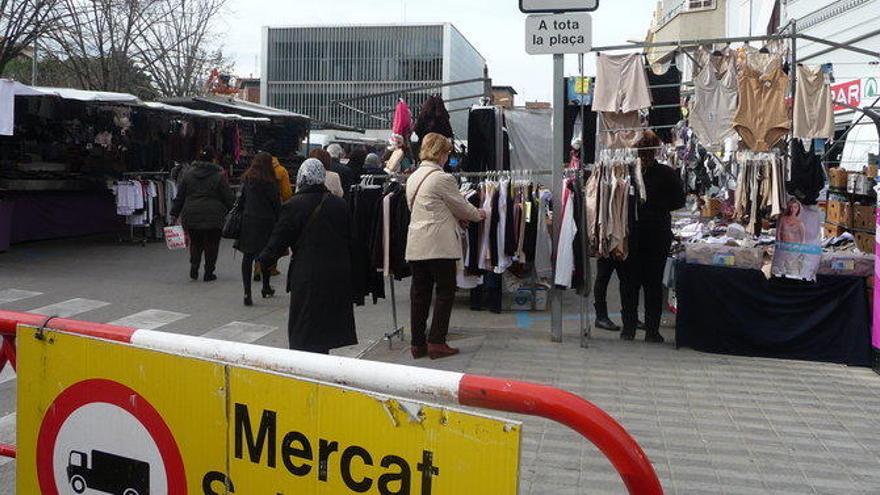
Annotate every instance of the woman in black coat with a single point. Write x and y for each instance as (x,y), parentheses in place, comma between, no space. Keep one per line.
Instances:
(316,226)
(261,205)
(203,199)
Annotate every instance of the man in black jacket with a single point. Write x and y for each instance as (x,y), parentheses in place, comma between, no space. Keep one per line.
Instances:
(649,242)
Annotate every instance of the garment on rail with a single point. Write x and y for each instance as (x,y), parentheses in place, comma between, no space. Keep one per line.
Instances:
(714,103)
(761,117)
(666,93)
(621,84)
(813,106)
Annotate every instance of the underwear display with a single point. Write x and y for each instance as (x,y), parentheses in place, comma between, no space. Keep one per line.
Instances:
(813,106)
(621,84)
(620,130)
(714,102)
(761,117)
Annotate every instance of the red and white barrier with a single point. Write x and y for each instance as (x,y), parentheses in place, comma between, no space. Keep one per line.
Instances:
(406,381)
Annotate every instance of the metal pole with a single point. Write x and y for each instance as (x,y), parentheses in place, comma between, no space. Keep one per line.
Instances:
(558,159)
(34,65)
(794,70)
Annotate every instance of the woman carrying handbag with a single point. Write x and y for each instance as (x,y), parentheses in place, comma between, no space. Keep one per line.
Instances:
(259,206)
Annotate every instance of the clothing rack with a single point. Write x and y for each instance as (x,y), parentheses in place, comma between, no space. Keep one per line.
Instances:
(136,176)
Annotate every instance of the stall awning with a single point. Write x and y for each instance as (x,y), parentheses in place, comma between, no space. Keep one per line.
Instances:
(201,113)
(240,107)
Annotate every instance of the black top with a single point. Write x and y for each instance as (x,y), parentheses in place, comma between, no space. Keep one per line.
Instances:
(665,194)
(669,94)
(807,178)
(261,206)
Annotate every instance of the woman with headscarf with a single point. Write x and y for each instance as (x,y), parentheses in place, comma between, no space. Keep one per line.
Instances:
(316,226)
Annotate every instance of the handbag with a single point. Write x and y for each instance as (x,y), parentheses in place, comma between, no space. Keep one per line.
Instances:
(234,219)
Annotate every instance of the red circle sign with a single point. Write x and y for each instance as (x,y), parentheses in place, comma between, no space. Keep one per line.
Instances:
(113,393)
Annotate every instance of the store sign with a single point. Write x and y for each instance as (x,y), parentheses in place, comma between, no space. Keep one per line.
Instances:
(559,33)
(551,6)
(849,93)
(103,417)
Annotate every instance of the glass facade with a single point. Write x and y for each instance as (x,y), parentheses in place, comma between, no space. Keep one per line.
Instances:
(308,68)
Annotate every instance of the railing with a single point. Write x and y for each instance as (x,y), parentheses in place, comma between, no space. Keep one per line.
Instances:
(431,385)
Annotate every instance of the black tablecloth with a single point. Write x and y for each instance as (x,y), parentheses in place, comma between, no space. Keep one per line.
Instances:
(735,311)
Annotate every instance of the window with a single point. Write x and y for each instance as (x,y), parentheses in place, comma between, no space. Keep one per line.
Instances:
(701,4)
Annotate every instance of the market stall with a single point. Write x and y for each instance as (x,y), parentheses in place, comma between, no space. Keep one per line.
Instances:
(65,155)
(774,256)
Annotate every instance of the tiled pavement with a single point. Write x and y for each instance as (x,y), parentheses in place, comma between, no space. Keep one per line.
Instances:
(709,423)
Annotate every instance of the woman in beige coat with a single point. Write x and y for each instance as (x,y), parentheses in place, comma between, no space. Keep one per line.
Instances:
(434,245)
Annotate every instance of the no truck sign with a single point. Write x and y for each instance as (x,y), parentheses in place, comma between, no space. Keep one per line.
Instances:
(102,417)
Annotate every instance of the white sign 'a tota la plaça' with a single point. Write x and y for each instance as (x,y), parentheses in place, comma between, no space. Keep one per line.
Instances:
(559,33)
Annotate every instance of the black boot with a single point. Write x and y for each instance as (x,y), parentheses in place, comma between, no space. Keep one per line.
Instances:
(210,277)
(605,323)
(654,338)
(194,272)
(628,335)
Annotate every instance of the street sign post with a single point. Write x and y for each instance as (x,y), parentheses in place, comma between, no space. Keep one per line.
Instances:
(567,30)
(558,34)
(551,6)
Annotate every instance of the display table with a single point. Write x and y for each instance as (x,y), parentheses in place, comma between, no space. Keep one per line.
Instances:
(738,311)
(41,215)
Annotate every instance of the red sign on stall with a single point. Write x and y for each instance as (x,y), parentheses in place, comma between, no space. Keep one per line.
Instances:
(849,93)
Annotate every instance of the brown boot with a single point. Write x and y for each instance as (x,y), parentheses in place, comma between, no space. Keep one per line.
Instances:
(440,351)
(419,351)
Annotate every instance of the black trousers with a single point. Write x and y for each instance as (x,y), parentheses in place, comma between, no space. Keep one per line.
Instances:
(247,273)
(644,269)
(207,242)
(604,268)
(426,275)
(489,293)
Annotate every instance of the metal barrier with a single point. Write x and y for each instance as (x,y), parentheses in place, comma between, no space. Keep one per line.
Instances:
(420,383)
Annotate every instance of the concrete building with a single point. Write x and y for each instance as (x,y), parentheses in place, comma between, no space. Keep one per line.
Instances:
(307,68)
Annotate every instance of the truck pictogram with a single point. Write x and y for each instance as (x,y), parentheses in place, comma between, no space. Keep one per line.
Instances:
(109,473)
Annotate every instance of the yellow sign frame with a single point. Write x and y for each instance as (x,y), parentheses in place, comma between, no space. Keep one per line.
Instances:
(243,430)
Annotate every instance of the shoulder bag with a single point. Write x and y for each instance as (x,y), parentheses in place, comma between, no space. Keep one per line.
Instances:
(234,219)
(419,187)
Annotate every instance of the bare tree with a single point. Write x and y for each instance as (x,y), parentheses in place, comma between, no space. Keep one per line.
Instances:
(177,53)
(97,42)
(21,23)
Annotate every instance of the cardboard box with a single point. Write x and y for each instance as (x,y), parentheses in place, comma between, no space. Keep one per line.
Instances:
(831,231)
(865,242)
(837,177)
(864,217)
(540,299)
(522,300)
(840,213)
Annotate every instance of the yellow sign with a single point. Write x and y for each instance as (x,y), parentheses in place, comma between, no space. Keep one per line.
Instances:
(115,418)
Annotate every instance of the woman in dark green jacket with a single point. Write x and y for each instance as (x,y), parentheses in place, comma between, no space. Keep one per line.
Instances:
(203,199)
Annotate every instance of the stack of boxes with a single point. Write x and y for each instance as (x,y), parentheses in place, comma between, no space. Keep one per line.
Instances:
(851,207)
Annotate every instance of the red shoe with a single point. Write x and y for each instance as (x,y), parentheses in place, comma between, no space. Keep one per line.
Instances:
(419,351)
(440,351)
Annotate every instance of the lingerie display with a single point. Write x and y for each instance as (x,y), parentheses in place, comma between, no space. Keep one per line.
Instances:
(761,117)
(666,94)
(813,106)
(760,192)
(714,103)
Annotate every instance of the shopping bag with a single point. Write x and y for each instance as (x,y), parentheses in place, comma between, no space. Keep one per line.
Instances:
(175,237)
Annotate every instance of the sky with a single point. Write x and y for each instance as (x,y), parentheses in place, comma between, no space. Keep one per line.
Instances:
(495,27)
